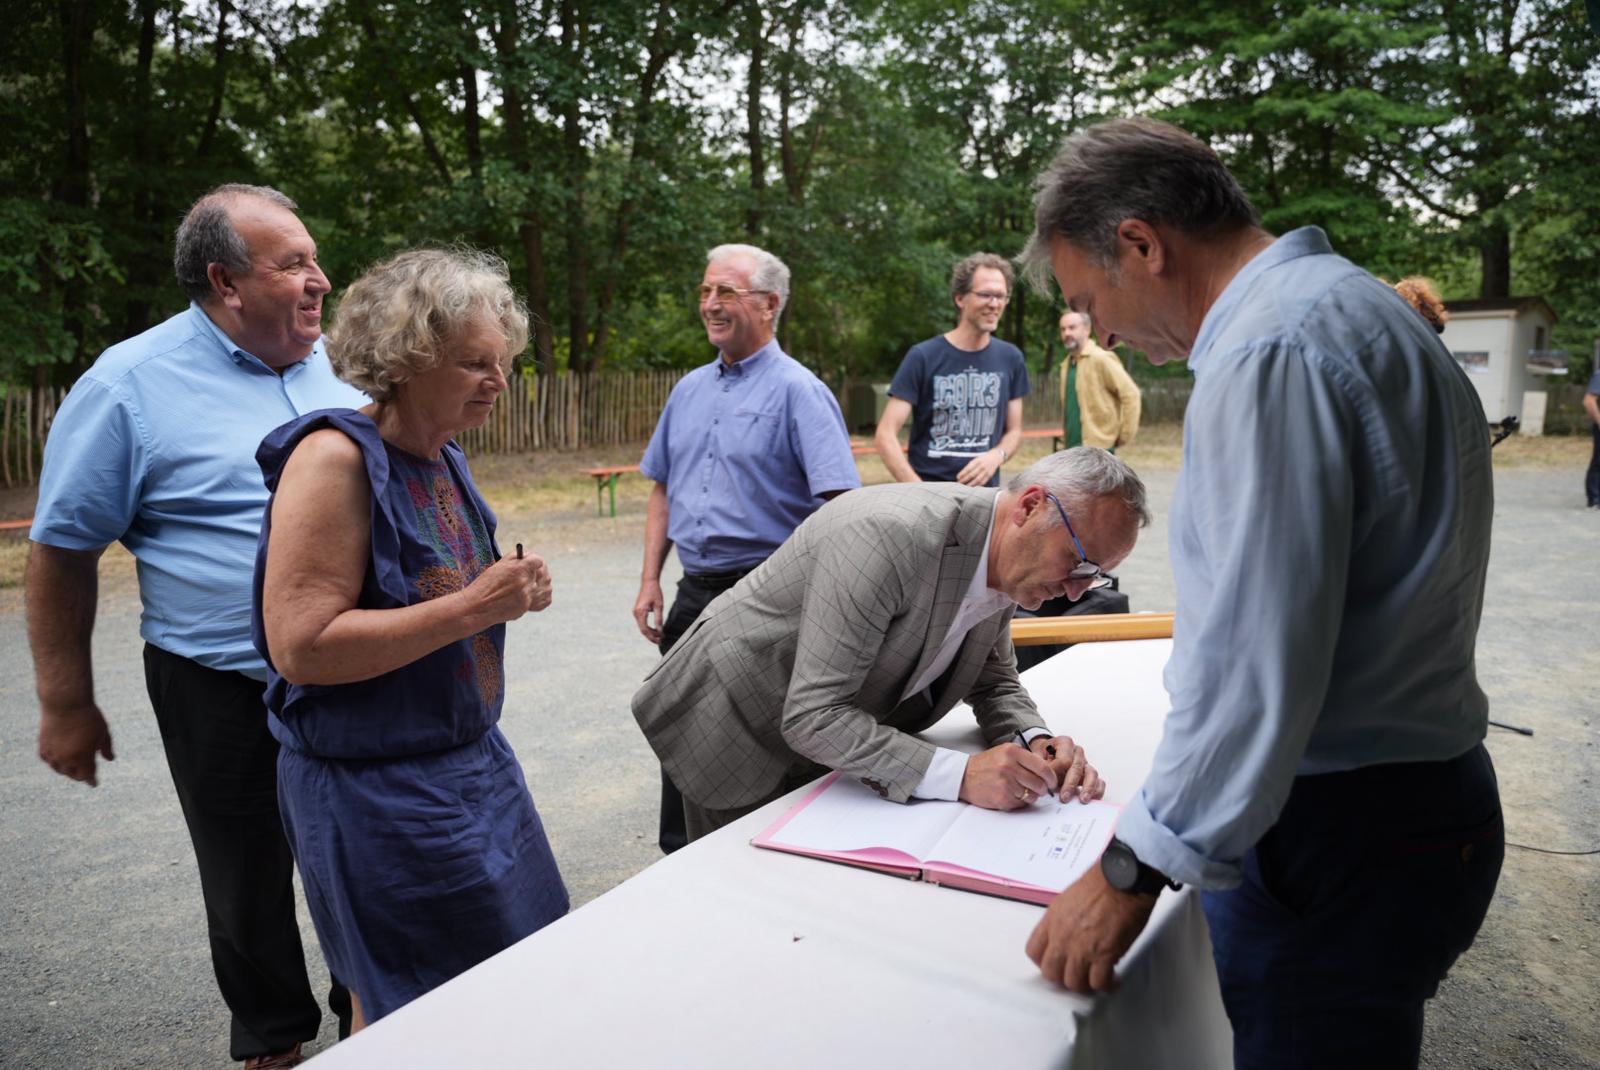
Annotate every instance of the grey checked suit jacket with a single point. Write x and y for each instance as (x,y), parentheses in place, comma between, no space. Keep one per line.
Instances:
(809,654)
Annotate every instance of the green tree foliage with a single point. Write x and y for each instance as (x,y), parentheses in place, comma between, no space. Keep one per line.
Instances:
(602,146)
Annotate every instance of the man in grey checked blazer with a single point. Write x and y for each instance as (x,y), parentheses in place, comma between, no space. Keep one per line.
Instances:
(885,609)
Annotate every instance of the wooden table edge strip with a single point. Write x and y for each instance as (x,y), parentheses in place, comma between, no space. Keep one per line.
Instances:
(1108,627)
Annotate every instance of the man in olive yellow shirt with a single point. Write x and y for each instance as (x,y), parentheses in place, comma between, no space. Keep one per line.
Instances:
(1099,400)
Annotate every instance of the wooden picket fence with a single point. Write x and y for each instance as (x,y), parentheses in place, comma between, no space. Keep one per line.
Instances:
(570,412)
(1161,402)
(25,418)
(561,412)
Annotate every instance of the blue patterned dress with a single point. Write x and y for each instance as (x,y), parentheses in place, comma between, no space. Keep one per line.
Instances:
(417,839)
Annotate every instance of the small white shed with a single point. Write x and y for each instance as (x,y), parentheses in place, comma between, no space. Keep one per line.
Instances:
(1504,345)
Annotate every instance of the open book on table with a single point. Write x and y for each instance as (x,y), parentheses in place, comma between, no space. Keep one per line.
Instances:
(1029,854)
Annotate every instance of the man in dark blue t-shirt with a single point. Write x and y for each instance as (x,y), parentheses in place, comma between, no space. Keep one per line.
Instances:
(962,389)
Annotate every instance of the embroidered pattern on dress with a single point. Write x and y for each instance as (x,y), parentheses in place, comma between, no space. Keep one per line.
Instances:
(457,535)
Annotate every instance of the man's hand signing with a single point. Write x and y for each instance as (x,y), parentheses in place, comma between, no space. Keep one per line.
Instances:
(1006,777)
(1073,772)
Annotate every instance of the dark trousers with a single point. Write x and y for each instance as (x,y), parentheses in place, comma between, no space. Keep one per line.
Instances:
(1353,907)
(224,765)
(1591,479)
(703,821)
(1104,600)
(695,593)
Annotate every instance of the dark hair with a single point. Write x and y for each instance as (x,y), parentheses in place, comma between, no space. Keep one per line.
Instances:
(1130,169)
(961,275)
(207,236)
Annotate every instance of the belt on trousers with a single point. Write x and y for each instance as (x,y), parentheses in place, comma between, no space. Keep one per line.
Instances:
(717,579)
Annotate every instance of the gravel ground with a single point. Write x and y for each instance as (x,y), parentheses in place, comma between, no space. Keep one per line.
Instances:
(102,947)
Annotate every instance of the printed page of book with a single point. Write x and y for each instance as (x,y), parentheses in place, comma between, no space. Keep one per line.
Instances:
(845,817)
(1048,845)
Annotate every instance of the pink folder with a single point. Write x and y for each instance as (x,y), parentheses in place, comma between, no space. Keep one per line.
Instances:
(1053,843)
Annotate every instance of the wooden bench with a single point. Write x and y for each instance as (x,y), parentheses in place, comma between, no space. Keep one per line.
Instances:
(606,479)
(1056,435)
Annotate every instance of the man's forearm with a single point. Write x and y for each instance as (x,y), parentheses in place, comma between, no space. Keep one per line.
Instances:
(894,458)
(656,543)
(61,593)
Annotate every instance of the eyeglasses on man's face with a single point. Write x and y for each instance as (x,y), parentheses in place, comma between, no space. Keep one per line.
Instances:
(989,297)
(725,293)
(1084,569)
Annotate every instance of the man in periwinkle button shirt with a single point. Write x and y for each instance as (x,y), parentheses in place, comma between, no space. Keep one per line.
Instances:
(747,447)
(155,447)
(1322,776)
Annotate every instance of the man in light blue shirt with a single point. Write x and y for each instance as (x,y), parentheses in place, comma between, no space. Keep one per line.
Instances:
(747,447)
(1322,775)
(155,448)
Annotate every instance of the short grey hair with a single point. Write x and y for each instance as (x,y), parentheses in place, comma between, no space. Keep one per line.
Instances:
(1082,474)
(770,274)
(207,236)
(1087,322)
(398,319)
(1129,169)
(961,274)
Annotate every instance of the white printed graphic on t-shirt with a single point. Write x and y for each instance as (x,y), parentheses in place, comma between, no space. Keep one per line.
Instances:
(966,410)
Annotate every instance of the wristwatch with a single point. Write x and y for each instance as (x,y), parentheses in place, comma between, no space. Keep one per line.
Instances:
(1125,873)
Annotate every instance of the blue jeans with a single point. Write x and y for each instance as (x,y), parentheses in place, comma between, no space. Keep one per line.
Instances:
(1353,908)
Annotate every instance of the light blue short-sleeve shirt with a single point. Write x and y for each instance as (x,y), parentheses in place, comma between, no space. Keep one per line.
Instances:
(746,450)
(155,448)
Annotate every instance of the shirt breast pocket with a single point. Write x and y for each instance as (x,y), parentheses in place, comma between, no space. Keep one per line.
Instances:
(756,431)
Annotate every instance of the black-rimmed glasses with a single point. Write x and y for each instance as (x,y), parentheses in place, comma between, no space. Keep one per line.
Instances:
(1084,569)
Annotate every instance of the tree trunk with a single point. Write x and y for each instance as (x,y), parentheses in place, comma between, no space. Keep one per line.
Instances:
(472,124)
(76,178)
(530,223)
(576,166)
(219,83)
(1494,257)
(758,164)
(136,313)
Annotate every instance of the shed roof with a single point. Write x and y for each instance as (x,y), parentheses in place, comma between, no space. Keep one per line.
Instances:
(1515,305)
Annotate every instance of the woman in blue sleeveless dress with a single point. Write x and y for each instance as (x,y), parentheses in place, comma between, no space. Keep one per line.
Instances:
(381,602)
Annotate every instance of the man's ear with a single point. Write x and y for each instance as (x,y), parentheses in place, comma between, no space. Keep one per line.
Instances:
(222,285)
(1029,500)
(1140,244)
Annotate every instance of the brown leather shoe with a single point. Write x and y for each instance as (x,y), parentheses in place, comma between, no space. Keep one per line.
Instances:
(280,1061)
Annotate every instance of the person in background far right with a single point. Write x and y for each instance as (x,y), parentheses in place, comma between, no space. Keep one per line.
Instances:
(1591,405)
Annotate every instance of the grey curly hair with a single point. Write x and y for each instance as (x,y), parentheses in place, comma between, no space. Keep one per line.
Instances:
(398,318)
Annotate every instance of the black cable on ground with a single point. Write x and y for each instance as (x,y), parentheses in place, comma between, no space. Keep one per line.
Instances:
(1548,851)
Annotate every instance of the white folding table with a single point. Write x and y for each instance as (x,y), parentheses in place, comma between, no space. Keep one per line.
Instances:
(724,955)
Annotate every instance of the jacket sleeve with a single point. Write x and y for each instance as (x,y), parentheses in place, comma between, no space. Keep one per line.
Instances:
(1128,400)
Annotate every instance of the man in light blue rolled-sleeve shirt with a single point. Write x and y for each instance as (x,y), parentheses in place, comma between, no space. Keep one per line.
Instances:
(155,448)
(1321,776)
(747,447)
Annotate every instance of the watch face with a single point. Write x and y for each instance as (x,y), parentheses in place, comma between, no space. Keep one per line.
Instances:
(1121,867)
